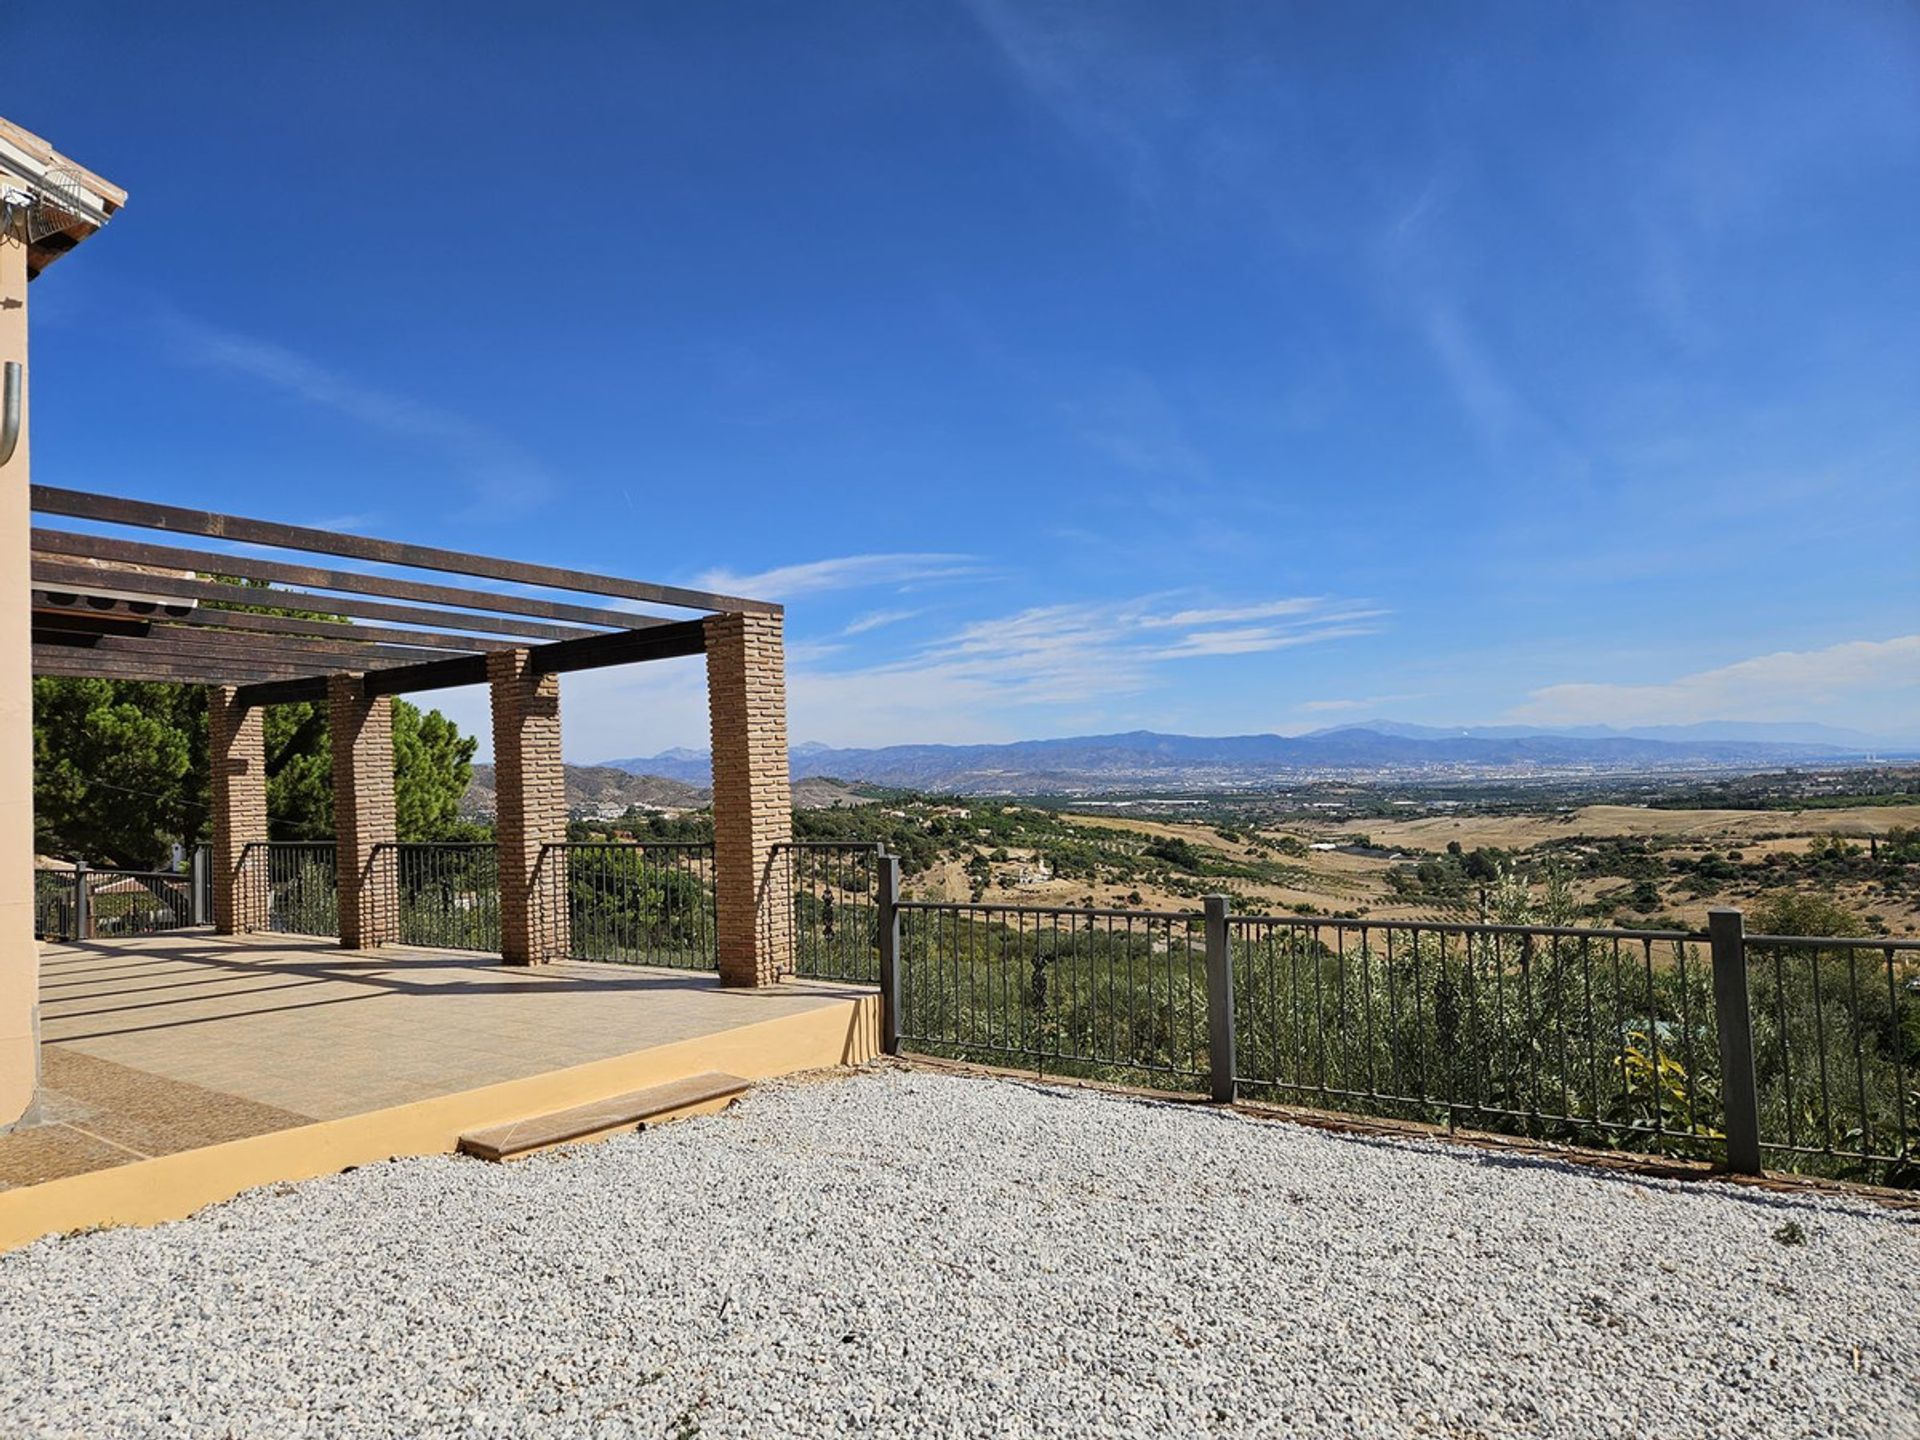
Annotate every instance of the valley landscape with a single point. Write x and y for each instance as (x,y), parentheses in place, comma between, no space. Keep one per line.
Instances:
(1641,830)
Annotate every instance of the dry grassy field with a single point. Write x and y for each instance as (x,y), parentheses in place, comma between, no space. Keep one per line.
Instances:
(1333,882)
(1518,832)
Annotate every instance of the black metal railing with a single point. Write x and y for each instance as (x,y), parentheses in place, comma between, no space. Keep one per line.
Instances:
(56,904)
(632,902)
(1100,994)
(289,887)
(1804,1052)
(83,903)
(1596,1035)
(833,892)
(447,894)
(135,902)
(1836,1054)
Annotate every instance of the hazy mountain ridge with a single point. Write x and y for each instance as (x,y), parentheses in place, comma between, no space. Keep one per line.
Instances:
(1149,758)
(1761,732)
(593,787)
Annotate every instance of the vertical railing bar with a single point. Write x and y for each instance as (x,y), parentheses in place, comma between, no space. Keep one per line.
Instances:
(1653,1043)
(1530,1023)
(1593,1049)
(1859,1060)
(1820,1051)
(1899,1055)
(1688,1059)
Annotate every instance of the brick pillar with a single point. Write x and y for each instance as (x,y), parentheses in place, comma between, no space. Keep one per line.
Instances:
(361,728)
(531,794)
(752,796)
(237,750)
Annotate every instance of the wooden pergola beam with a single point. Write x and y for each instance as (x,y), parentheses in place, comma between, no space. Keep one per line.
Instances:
(54,574)
(686,637)
(108,509)
(326,629)
(242,649)
(134,552)
(64,663)
(596,652)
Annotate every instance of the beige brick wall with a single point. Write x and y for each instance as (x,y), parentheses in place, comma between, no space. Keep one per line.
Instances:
(752,796)
(237,753)
(531,799)
(364,815)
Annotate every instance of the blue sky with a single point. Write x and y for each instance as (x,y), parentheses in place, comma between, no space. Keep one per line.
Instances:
(1214,368)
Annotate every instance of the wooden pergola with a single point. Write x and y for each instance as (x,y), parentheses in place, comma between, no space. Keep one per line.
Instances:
(280,621)
(129,609)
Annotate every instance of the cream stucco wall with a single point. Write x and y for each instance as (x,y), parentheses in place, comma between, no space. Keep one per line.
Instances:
(19,955)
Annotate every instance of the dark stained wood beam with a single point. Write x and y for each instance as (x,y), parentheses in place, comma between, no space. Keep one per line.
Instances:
(433,675)
(327,629)
(73,576)
(686,637)
(689,637)
(79,505)
(249,649)
(135,552)
(85,664)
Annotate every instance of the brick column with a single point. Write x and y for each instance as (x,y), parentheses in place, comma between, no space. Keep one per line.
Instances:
(752,796)
(237,750)
(531,795)
(361,728)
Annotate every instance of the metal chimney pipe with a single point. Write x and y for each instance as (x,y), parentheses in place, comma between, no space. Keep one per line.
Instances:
(9,411)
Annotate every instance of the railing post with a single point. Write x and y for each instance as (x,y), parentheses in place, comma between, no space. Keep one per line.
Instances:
(1219,1001)
(1739,1092)
(198,888)
(82,903)
(889,916)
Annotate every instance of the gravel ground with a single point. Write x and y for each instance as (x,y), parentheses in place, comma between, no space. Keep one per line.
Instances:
(920,1254)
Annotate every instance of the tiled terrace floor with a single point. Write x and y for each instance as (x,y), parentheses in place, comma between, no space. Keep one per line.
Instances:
(167,1043)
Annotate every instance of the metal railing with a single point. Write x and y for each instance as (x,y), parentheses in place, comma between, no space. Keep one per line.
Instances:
(1100,994)
(835,904)
(632,902)
(447,894)
(290,888)
(85,903)
(56,904)
(1804,1052)
(1835,1026)
(1558,1033)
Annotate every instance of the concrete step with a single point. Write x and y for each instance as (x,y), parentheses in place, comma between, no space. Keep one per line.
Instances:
(695,1095)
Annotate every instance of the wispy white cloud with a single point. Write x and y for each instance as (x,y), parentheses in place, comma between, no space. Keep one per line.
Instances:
(1049,661)
(1034,671)
(1237,614)
(1848,679)
(841,572)
(1091,79)
(505,474)
(875,619)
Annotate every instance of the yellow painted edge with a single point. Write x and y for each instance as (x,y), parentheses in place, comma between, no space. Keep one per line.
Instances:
(171,1187)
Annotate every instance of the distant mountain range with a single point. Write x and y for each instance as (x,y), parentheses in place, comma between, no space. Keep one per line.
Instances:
(607,790)
(1758,732)
(592,786)
(1147,759)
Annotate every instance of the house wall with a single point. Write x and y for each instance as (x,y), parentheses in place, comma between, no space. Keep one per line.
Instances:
(19,954)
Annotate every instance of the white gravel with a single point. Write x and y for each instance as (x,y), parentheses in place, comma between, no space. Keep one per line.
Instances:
(922,1254)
